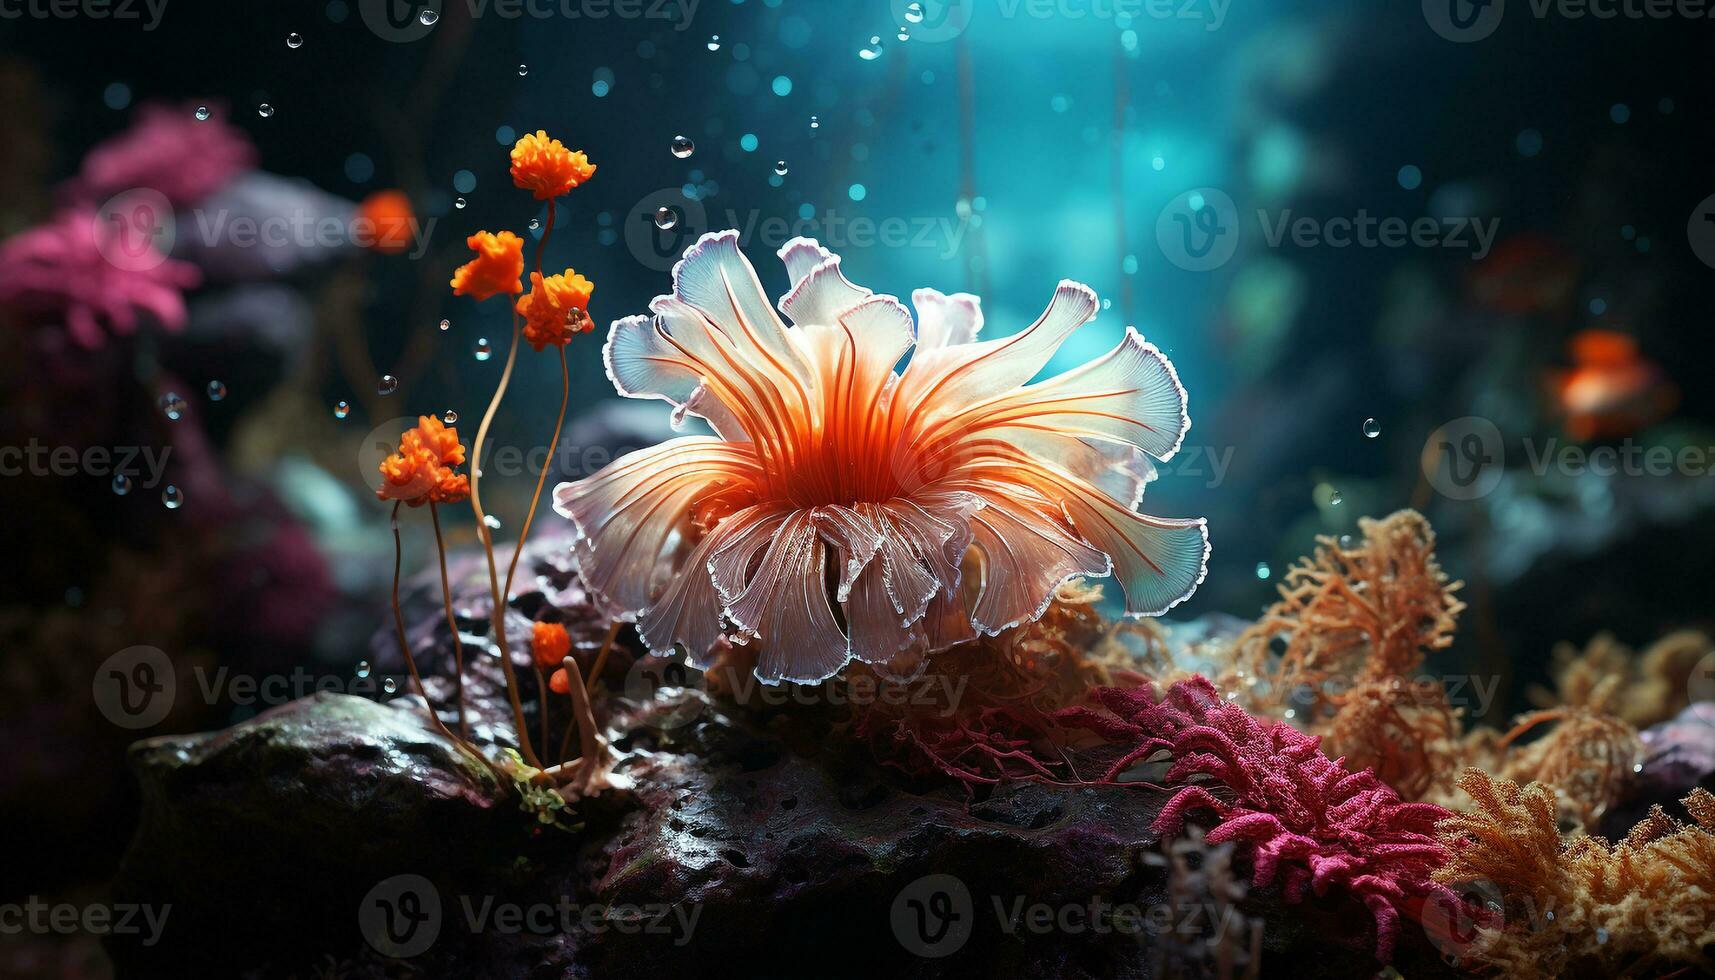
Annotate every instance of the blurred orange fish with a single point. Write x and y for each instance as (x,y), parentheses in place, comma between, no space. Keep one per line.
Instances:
(1525,274)
(1611,390)
(388,221)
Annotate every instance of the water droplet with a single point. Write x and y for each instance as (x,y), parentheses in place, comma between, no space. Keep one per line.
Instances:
(172,406)
(1334,498)
(904,34)
(1372,428)
(483,351)
(121,484)
(683,147)
(665,218)
(265,110)
(216,391)
(872,50)
(173,497)
(341,410)
(1262,570)
(535,223)
(428,17)
(458,202)
(363,668)
(1346,542)
(387,385)
(523,69)
(714,42)
(390,685)
(492,521)
(446,325)
(202,113)
(815,123)
(294,40)
(914,12)
(780,167)
(449,416)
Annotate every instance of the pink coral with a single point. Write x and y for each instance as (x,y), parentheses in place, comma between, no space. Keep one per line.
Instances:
(167,150)
(1312,822)
(76,269)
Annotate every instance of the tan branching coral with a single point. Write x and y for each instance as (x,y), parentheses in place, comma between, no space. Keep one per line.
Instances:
(1652,685)
(1588,907)
(1343,644)
(1587,758)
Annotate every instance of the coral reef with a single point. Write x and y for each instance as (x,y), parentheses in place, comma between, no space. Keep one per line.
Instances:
(1584,908)
(1311,822)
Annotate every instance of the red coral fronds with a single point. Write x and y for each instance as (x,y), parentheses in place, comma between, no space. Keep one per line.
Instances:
(1310,823)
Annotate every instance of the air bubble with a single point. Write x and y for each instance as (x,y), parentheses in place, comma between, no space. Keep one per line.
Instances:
(216,391)
(341,409)
(428,17)
(683,147)
(449,416)
(172,406)
(780,167)
(390,685)
(294,40)
(387,385)
(202,113)
(121,484)
(265,110)
(665,218)
(914,12)
(446,325)
(483,352)
(872,50)
(363,668)
(1372,428)
(172,497)
(714,42)
(1262,570)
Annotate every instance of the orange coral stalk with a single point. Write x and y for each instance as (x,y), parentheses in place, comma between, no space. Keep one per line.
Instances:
(498,268)
(546,168)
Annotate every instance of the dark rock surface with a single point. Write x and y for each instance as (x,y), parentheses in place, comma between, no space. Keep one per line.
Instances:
(751,845)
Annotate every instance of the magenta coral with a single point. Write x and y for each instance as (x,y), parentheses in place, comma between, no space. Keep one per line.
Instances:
(66,270)
(167,150)
(1312,823)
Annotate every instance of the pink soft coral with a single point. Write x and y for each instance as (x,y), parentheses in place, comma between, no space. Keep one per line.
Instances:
(167,150)
(1312,822)
(61,270)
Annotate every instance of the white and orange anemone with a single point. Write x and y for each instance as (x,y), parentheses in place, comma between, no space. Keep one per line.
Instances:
(845,509)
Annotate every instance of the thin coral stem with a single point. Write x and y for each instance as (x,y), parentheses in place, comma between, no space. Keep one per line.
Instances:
(452,624)
(498,613)
(582,716)
(606,648)
(542,478)
(542,705)
(399,624)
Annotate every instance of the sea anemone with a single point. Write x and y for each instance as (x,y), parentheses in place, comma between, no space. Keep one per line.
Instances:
(843,509)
